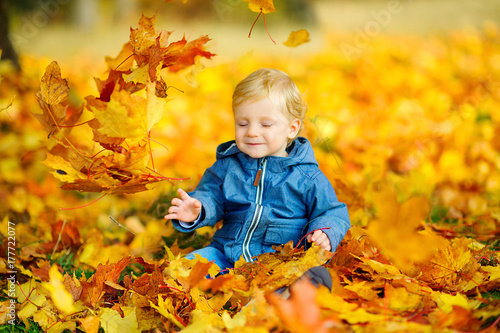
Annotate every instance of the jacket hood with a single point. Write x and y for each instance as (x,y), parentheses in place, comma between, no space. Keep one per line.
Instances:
(299,151)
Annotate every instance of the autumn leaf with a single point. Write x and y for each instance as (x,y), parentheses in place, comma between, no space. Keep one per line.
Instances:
(296,317)
(62,299)
(94,290)
(401,221)
(9,104)
(262,7)
(54,89)
(297,38)
(113,322)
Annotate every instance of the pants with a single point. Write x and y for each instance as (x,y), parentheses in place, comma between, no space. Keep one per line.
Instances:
(212,254)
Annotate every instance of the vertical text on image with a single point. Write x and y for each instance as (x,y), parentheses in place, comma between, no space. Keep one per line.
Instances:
(11,273)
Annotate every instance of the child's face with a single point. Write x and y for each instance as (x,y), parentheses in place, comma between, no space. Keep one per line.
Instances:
(261,129)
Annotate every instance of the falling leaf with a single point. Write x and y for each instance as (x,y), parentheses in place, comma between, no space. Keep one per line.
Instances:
(62,299)
(401,221)
(297,38)
(264,6)
(54,89)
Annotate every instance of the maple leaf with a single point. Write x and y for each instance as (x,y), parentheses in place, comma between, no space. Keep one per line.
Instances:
(297,38)
(114,322)
(52,97)
(182,54)
(452,267)
(94,290)
(54,89)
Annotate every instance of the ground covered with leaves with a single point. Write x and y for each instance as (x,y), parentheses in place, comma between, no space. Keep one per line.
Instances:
(406,130)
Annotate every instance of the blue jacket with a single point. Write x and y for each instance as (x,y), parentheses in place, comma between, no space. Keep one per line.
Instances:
(267,201)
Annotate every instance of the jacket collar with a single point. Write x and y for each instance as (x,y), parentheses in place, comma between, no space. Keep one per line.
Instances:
(299,152)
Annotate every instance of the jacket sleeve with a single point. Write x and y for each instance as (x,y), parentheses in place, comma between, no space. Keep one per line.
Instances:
(325,211)
(209,192)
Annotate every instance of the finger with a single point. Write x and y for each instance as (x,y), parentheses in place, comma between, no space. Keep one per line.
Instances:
(171,217)
(315,235)
(173,209)
(309,238)
(196,204)
(183,194)
(176,201)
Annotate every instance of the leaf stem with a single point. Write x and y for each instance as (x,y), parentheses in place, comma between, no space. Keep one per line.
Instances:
(265,25)
(254,24)
(102,196)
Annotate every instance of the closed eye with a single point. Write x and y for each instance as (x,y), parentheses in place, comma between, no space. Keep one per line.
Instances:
(267,125)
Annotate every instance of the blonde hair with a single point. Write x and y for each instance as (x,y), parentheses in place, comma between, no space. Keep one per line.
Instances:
(275,84)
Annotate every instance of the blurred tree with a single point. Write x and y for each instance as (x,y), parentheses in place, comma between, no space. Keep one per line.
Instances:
(8,51)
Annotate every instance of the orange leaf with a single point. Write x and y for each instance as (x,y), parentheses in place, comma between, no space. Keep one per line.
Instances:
(300,312)
(93,291)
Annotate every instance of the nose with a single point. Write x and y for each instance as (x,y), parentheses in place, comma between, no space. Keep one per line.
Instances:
(252,131)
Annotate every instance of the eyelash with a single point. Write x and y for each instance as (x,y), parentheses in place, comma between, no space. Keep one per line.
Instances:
(263,125)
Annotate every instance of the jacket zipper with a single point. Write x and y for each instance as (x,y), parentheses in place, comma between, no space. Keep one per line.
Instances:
(259,182)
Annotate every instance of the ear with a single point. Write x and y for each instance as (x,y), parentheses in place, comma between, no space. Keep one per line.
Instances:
(294,128)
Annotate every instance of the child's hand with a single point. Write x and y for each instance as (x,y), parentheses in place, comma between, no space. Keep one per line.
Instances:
(321,239)
(185,209)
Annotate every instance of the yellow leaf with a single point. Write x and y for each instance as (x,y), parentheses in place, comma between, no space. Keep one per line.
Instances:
(334,303)
(446,302)
(239,320)
(400,299)
(362,316)
(64,170)
(156,106)
(494,272)
(31,307)
(265,6)
(204,322)
(112,322)
(54,89)
(363,290)
(215,303)
(138,75)
(297,38)
(8,104)
(60,327)
(62,299)
(166,309)
(122,117)
(400,221)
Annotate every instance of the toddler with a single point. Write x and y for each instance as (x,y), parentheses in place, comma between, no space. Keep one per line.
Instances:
(265,185)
